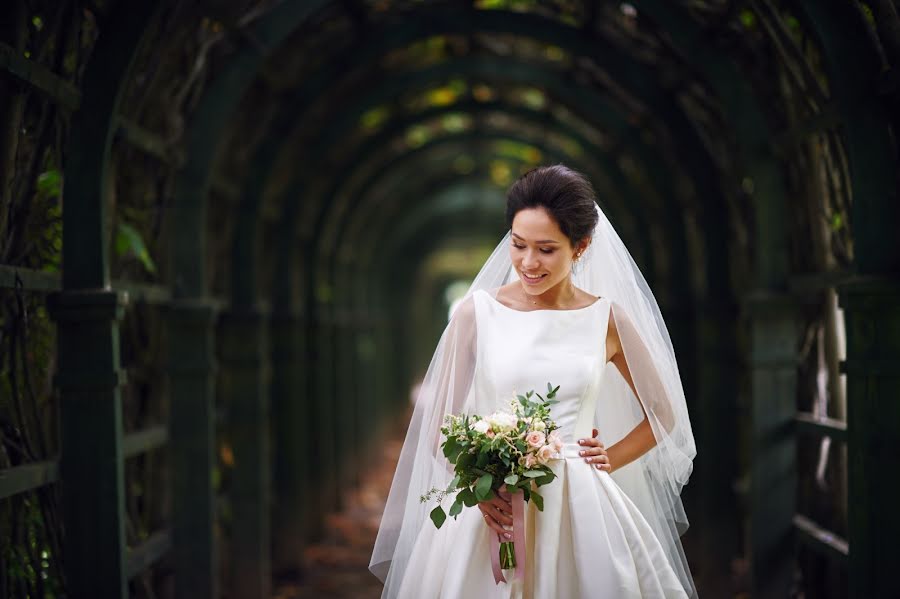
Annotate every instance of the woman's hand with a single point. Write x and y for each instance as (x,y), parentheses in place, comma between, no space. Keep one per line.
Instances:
(594,452)
(497,513)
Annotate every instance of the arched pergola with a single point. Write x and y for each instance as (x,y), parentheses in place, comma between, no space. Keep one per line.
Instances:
(321,168)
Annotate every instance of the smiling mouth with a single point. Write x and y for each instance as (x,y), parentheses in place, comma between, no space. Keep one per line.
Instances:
(533,278)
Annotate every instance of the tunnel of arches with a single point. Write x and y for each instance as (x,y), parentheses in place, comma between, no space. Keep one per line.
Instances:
(271,206)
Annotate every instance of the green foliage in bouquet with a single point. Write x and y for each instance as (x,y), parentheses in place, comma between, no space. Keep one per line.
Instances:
(507,447)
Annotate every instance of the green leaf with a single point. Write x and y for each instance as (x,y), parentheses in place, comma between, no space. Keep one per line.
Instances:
(129,240)
(449,446)
(468,497)
(511,479)
(544,480)
(538,501)
(438,516)
(464,461)
(49,184)
(456,508)
(483,487)
(533,473)
(454,483)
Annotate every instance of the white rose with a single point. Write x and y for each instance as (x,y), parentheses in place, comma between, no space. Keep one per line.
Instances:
(481,426)
(501,421)
(538,424)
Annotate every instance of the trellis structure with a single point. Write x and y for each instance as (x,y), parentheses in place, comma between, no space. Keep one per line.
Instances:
(288,165)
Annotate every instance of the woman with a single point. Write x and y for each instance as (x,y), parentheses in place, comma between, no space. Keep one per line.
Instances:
(559,301)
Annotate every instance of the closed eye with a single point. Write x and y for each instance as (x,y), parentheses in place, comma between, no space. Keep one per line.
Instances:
(543,250)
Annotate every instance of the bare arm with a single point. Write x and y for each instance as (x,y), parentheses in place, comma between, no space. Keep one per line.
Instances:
(640,439)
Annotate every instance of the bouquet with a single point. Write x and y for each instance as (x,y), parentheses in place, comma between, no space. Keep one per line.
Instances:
(507,447)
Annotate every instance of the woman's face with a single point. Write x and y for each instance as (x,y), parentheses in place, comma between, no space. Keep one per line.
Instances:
(541,254)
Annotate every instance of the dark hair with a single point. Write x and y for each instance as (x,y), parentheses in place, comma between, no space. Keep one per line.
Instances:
(565,194)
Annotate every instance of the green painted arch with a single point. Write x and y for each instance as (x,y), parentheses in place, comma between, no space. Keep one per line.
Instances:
(529,76)
(504,70)
(609,168)
(217,104)
(853,62)
(564,35)
(752,132)
(407,161)
(87,180)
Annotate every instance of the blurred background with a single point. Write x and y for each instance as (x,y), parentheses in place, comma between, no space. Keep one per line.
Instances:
(231,232)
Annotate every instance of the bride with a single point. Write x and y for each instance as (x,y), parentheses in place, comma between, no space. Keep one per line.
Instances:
(559,301)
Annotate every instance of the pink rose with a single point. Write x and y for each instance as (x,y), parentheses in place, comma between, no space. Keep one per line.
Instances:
(535,438)
(530,460)
(555,441)
(546,453)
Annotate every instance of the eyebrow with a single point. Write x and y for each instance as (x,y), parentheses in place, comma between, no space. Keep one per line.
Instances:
(541,241)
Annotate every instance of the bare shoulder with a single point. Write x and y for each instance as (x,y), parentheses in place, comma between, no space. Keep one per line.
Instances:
(584,298)
(613,343)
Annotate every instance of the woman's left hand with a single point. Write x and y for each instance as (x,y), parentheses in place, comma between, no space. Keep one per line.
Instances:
(594,452)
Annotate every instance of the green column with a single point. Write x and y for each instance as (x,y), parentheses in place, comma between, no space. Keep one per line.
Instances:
(91,462)
(244,354)
(872,316)
(292,428)
(771,452)
(325,464)
(714,411)
(191,371)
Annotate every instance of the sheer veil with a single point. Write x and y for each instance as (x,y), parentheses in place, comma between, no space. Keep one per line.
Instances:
(653,482)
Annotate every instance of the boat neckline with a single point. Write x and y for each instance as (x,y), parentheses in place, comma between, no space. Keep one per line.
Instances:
(499,303)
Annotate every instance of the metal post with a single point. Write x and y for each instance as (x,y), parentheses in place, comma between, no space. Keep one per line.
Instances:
(772,451)
(872,316)
(91,459)
(292,430)
(191,370)
(244,337)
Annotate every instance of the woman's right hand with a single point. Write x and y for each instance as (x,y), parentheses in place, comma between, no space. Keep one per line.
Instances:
(497,513)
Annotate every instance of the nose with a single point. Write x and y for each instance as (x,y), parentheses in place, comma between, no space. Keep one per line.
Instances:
(530,260)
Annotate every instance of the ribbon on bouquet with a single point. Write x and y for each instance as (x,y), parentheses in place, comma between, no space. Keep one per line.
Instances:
(518,508)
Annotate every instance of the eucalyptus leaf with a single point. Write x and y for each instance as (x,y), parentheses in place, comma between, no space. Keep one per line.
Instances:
(511,479)
(456,508)
(438,516)
(538,501)
(483,487)
(468,497)
(546,479)
(534,473)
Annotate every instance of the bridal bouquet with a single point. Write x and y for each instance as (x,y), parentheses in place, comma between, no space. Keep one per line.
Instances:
(507,447)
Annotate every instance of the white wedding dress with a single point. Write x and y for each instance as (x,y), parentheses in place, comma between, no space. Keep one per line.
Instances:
(590,540)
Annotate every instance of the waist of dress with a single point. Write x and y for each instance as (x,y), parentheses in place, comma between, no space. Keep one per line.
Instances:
(570,451)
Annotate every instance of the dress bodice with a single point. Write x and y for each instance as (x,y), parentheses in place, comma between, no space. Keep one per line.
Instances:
(518,351)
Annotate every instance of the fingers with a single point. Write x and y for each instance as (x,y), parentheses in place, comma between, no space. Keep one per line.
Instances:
(591,442)
(490,514)
(500,510)
(594,452)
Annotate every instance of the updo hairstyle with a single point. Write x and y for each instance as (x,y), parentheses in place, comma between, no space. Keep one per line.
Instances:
(565,194)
